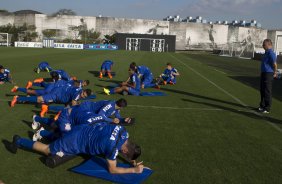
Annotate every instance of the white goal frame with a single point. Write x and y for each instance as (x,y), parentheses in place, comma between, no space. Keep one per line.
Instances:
(7,38)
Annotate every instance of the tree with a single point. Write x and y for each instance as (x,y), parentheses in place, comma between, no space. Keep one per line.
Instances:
(64,12)
(20,33)
(109,39)
(49,33)
(89,36)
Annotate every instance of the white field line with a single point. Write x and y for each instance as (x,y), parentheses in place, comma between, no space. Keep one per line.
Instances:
(176,108)
(226,92)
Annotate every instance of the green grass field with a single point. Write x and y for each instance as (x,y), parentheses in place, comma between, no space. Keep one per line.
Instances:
(204,131)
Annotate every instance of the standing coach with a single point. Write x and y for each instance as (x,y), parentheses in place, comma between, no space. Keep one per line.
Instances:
(268,72)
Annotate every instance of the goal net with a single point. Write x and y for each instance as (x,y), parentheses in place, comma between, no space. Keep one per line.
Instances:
(5,39)
(238,49)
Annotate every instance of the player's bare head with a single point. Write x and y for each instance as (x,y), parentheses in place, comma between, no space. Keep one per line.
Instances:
(85,93)
(85,83)
(168,65)
(131,70)
(133,64)
(1,68)
(121,103)
(131,150)
(55,76)
(267,44)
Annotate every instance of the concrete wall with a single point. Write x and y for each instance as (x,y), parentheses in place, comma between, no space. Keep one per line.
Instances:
(6,19)
(110,25)
(63,24)
(188,35)
(276,37)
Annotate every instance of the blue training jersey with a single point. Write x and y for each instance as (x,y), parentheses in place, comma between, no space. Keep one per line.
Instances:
(72,82)
(43,65)
(108,62)
(101,138)
(104,108)
(63,75)
(268,61)
(5,76)
(168,72)
(135,79)
(57,84)
(67,94)
(143,70)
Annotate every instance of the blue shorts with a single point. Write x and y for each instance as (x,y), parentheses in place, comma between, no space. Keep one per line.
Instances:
(49,98)
(40,92)
(67,144)
(64,121)
(133,91)
(106,67)
(169,79)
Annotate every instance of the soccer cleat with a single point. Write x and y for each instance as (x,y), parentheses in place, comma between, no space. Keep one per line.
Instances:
(38,70)
(165,82)
(73,78)
(107,91)
(28,85)
(265,112)
(15,89)
(35,124)
(171,83)
(37,136)
(158,87)
(101,75)
(57,116)
(44,110)
(47,69)
(14,101)
(13,147)
(260,109)
(39,80)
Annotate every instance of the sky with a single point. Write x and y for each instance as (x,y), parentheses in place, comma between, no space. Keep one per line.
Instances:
(267,12)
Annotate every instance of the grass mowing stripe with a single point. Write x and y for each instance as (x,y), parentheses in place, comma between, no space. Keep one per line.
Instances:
(227,93)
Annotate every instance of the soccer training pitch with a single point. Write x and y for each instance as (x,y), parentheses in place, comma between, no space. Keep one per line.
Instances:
(204,131)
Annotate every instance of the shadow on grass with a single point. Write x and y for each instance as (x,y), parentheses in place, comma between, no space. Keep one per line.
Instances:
(250,113)
(254,81)
(97,73)
(201,97)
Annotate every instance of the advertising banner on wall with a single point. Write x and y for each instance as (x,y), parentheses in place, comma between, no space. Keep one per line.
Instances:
(68,46)
(29,44)
(100,47)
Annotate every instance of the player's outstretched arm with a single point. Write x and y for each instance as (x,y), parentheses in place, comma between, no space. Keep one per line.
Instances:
(113,169)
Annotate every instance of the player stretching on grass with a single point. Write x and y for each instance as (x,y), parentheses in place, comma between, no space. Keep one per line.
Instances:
(168,76)
(131,86)
(43,66)
(62,95)
(98,139)
(145,75)
(106,67)
(5,75)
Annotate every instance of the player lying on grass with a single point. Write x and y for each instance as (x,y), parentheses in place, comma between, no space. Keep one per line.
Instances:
(43,67)
(61,95)
(131,86)
(106,67)
(48,86)
(98,139)
(71,117)
(145,75)
(5,75)
(61,73)
(103,107)
(168,76)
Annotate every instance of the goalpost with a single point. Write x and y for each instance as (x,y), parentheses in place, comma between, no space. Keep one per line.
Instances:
(5,39)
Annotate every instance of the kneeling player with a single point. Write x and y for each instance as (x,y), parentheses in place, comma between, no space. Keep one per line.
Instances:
(42,67)
(106,67)
(145,75)
(98,139)
(131,86)
(168,76)
(5,75)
